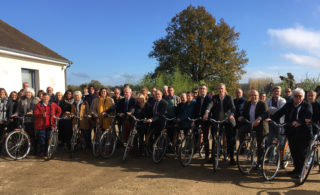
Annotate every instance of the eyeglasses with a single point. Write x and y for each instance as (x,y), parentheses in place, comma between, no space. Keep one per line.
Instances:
(297,96)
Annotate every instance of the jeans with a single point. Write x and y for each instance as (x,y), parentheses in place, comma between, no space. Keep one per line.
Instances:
(43,138)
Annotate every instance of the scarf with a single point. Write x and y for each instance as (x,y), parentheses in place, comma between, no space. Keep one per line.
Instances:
(3,110)
(78,103)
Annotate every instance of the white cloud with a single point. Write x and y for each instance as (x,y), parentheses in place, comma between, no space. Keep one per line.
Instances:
(297,38)
(303,60)
(257,75)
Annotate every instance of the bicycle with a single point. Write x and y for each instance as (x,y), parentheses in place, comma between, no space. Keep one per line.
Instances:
(273,155)
(76,139)
(187,147)
(96,146)
(312,158)
(218,145)
(53,139)
(247,150)
(109,140)
(17,143)
(132,137)
(161,143)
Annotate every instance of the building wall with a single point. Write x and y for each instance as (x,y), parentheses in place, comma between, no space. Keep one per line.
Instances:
(50,74)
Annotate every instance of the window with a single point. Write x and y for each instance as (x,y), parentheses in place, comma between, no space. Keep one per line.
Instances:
(30,77)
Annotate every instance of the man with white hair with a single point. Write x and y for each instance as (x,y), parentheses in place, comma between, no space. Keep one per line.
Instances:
(298,114)
(50,93)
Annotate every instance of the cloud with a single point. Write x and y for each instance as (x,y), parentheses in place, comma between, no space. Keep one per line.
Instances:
(302,45)
(80,74)
(258,74)
(303,60)
(297,38)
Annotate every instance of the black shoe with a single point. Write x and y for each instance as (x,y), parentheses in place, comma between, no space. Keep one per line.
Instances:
(257,167)
(232,162)
(294,172)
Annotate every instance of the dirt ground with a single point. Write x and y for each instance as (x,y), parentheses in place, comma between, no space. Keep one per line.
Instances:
(84,174)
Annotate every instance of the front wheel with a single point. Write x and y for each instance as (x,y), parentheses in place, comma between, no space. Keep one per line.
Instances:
(216,153)
(271,162)
(17,145)
(286,156)
(245,157)
(52,145)
(186,151)
(129,146)
(96,148)
(74,140)
(307,165)
(159,148)
(108,143)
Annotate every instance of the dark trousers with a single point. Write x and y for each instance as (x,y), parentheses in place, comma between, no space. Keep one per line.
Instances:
(65,131)
(29,128)
(299,141)
(205,125)
(43,138)
(259,136)
(2,129)
(87,137)
(171,129)
(230,136)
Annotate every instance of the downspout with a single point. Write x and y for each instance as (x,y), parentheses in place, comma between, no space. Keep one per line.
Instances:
(65,74)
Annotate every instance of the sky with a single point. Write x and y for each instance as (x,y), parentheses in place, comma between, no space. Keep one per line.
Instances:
(110,41)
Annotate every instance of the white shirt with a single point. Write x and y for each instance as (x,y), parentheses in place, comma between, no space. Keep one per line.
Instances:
(252,112)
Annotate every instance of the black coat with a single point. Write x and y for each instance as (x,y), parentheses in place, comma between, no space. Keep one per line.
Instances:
(200,110)
(121,106)
(239,105)
(161,110)
(228,106)
(316,112)
(304,113)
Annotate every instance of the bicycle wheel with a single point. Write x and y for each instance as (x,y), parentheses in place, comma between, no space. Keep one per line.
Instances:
(108,143)
(159,148)
(52,145)
(307,165)
(17,145)
(186,151)
(149,143)
(286,155)
(129,146)
(245,156)
(96,148)
(271,162)
(216,150)
(177,143)
(74,140)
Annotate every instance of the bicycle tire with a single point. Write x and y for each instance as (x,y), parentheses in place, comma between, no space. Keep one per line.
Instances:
(52,145)
(271,162)
(307,165)
(245,157)
(159,149)
(286,156)
(96,147)
(73,141)
(129,146)
(108,143)
(186,151)
(216,154)
(17,145)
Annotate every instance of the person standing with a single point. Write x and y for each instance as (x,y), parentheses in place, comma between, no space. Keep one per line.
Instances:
(173,102)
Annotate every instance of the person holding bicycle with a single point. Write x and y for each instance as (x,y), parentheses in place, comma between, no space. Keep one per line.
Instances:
(4,108)
(255,111)
(311,98)
(221,106)
(81,109)
(201,110)
(298,115)
(44,113)
(186,111)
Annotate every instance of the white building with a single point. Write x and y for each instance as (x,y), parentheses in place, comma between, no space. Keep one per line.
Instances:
(22,59)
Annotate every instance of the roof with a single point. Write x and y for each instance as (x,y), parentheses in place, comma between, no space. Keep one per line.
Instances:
(14,40)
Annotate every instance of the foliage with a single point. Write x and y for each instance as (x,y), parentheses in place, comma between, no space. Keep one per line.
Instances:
(310,83)
(261,84)
(200,47)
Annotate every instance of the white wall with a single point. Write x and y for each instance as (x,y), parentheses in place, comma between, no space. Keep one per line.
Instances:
(50,73)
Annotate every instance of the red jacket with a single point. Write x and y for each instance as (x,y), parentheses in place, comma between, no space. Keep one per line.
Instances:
(40,121)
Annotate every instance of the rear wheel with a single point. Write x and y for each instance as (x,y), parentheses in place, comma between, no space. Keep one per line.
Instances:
(159,148)
(245,157)
(108,143)
(17,145)
(186,151)
(271,162)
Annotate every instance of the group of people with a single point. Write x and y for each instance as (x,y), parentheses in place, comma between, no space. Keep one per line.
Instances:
(298,112)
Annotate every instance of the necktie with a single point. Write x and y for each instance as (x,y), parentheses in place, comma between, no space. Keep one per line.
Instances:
(155,107)
(126,104)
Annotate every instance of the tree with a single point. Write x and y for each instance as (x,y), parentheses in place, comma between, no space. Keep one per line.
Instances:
(200,47)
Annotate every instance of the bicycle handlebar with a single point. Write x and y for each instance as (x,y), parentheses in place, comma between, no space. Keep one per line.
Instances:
(138,120)
(169,119)
(218,122)
(279,124)
(193,120)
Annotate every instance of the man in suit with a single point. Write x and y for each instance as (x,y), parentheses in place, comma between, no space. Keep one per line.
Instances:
(173,102)
(221,106)
(298,115)
(255,111)
(159,109)
(200,110)
(239,103)
(311,98)
(123,107)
